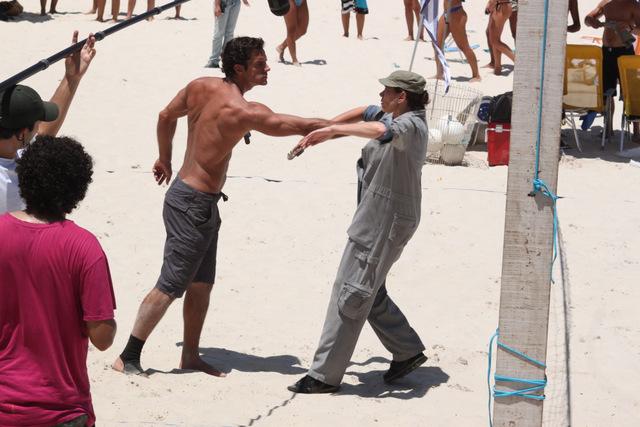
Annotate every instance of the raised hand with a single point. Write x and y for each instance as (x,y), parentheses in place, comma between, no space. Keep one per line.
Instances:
(78,62)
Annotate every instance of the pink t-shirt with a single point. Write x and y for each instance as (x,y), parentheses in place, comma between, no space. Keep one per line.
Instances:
(53,278)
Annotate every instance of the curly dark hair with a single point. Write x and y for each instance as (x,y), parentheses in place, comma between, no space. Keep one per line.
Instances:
(53,175)
(239,51)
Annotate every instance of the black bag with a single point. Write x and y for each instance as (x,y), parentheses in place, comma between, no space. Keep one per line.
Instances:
(501,108)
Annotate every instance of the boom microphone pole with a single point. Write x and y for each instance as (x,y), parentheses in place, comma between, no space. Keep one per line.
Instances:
(45,63)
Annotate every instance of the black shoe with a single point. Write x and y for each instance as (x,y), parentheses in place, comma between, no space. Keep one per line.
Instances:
(212,64)
(400,369)
(309,385)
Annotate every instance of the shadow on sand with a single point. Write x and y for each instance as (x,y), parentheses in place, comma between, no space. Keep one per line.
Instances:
(229,360)
(414,385)
(34,18)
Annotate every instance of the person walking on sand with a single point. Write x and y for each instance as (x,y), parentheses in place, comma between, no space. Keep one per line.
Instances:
(387,216)
(454,21)
(297,23)
(411,8)
(226,16)
(132,5)
(361,9)
(100,6)
(500,12)
(218,117)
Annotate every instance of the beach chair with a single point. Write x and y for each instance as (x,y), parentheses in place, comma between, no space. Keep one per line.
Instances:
(583,86)
(629,66)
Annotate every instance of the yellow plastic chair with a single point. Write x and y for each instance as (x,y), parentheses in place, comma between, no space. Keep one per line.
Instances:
(583,86)
(629,67)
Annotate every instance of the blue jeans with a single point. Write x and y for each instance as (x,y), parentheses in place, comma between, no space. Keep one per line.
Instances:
(223,29)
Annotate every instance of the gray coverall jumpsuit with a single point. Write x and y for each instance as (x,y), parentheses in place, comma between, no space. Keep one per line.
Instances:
(387,216)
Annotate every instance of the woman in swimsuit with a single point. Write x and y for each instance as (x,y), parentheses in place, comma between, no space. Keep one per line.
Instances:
(500,12)
(411,8)
(297,21)
(456,19)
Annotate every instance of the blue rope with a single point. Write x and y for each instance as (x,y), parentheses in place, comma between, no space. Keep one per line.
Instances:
(539,186)
(528,392)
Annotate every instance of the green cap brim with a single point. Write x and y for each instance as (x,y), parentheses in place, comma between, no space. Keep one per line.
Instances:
(51,111)
(388,82)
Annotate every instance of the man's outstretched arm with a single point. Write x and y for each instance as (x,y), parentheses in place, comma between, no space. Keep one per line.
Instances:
(263,119)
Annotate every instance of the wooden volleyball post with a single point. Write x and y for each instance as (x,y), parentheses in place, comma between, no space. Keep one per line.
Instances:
(528,235)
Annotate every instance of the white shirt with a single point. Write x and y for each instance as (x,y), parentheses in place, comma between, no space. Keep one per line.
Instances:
(10,199)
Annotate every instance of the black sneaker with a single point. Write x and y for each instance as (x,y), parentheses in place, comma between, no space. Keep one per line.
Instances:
(309,385)
(400,369)
(212,64)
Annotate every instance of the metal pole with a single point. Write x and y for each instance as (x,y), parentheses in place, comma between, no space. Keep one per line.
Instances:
(45,63)
(415,45)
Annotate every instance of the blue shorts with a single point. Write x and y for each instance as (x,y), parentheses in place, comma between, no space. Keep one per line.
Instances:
(359,6)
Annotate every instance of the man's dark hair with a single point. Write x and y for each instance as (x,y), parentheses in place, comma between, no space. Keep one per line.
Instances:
(10,133)
(238,51)
(415,101)
(53,175)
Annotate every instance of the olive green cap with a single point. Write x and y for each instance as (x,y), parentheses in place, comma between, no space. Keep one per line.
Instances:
(405,80)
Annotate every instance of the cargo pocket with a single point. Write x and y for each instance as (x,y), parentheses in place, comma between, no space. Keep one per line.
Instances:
(353,300)
(402,229)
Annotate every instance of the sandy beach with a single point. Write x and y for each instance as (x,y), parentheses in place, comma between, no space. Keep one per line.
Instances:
(284,229)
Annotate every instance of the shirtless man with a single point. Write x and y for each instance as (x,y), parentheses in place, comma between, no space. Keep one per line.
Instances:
(218,117)
(456,19)
(622,17)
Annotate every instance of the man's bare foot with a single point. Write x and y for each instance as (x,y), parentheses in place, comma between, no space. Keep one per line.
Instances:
(360,37)
(53,11)
(497,70)
(91,12)
(197,364)
(128,368)
(409,39)
(151,18)
(489,65)
(345,35)
(296,64)
(100,19)
(475,79)
(129,16)
(280,50)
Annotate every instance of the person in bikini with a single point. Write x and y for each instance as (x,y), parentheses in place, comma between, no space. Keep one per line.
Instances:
(454,21)
(500,11)
(218,118)
(297,22)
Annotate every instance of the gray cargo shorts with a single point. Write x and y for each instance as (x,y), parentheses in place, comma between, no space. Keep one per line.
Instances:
(192,222)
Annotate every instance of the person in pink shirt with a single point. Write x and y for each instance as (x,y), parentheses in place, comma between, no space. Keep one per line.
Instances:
(56,292)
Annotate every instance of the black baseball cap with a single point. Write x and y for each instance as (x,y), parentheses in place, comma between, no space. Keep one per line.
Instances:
(21,107)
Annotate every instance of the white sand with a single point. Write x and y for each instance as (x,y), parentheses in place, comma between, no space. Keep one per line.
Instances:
(281,241)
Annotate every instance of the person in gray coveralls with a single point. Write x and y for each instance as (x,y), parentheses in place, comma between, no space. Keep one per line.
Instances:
(388,214)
